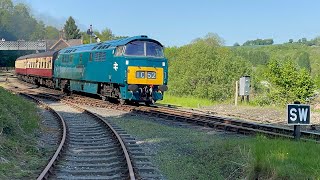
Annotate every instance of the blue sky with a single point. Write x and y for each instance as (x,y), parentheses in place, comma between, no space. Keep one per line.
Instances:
(176,23)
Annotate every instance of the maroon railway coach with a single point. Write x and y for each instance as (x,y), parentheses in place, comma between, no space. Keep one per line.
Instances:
(36,68)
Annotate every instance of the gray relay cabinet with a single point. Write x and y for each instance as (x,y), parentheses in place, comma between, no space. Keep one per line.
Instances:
(244,86)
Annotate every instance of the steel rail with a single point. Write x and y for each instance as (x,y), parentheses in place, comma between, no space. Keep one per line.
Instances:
(119,139)
(48,169)
(122,144)
(206,119)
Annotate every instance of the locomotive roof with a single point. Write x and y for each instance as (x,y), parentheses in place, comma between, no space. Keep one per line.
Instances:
(44,54)
(112,43)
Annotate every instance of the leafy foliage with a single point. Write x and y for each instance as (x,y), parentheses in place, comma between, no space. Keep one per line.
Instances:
(304,61)
(258,42)
(279,73)
(288,83)
(204,69)
(17,23)
(51,32)
(71,29)
(105,35)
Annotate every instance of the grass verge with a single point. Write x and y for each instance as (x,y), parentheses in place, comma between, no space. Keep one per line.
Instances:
(285,159)
(184,153)
(18,151)
(185,101)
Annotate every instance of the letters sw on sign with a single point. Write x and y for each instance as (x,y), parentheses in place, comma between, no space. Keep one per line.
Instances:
(298,114)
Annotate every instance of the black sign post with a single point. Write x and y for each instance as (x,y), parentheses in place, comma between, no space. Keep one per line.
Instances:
(298,114)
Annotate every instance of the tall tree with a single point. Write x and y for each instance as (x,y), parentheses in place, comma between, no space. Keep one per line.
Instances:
(71,29)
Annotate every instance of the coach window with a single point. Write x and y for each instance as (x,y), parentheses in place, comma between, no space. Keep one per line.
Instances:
(80,58)
(90,58)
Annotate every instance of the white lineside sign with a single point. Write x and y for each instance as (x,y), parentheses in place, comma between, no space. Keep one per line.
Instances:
(298,114)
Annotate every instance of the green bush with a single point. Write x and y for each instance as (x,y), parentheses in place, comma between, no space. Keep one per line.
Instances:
(288,83)
(204,69)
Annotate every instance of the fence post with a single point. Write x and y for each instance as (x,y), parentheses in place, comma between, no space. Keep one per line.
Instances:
(236,95)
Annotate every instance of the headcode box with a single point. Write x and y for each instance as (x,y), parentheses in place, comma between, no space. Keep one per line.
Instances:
(298,114)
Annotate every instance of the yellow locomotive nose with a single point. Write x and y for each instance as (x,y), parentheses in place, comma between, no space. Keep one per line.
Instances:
(145,75)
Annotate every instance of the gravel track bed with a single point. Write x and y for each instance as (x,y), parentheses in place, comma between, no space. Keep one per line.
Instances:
(140,153)
(150,149)
(91,152)
(49,133)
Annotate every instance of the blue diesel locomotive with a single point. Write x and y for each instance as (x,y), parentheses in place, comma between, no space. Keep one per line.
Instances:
(129,69)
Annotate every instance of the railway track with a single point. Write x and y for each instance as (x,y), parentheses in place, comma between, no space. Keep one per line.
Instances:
(223,123)
(91,148)
(202,119)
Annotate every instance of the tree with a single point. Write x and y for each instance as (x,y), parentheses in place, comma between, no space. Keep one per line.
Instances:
(288,83)
(236,44)
(258,42)
(290,40)
(304,40)
(212,39)
(106,35)
(205,69)
(39,32)
(316,41)
(304,61)
(6,5)
(52,32)
(71,29)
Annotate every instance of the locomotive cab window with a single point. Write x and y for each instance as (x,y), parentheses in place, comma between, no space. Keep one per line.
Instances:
(154,49)
(144,48)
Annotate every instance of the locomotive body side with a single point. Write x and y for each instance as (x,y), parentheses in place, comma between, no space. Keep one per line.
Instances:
(126,69)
